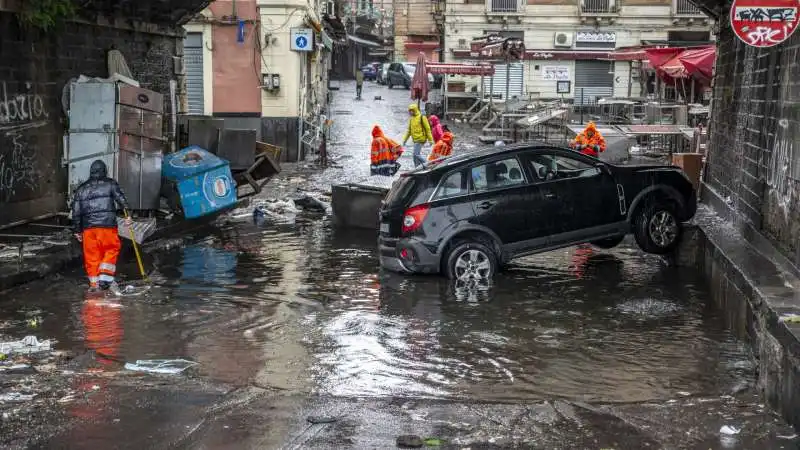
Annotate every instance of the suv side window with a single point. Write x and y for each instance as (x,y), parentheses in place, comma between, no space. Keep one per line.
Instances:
(453,185)
(496,175)
(549,166)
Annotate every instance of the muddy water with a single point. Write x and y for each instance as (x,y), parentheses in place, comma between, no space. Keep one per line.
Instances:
(306,309)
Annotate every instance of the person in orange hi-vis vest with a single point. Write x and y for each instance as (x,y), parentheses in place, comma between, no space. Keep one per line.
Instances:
(94,222)
(384,153)
(443,148)
(589,141)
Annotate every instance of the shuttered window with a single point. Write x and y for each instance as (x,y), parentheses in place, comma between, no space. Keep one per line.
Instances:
(593,81)
(498,82)
(193,64)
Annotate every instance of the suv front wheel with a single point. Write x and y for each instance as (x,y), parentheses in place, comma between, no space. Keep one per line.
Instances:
(657,229)
(470,260)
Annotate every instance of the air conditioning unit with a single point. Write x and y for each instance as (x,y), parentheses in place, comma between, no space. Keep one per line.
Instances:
(562,39)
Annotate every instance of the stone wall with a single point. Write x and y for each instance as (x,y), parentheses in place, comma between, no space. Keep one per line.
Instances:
(754,144)
(34,68)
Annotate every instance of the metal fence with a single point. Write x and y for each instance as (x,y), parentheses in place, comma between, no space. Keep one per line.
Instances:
(597,6)
(504,5)
(686,8)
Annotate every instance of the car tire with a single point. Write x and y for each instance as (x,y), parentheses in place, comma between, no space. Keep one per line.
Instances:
(657,229)
(608,243)
(388,85)
(471,260)
(405,85)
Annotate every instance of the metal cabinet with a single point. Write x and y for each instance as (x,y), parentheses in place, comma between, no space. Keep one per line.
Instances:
(123,126)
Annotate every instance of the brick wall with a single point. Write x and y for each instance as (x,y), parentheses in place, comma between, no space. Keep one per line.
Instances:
(754,153)
(33,71)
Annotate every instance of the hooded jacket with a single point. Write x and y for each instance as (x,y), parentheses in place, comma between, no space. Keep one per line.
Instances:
(94,204)
(384,153)
(419,130)
(436,128)
(443,148)
(589,145)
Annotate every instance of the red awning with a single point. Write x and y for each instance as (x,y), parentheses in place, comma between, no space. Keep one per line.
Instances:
(461,69)
(659,56)
(700,61)
(673,68)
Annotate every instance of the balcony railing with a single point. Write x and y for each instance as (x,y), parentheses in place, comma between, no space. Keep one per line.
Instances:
(505,6)
(598,6)
(686,8)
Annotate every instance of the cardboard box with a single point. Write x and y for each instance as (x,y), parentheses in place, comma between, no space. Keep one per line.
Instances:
(691,163)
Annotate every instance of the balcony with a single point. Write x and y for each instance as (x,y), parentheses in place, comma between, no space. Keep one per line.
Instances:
(685,8)
(505,7)
(599,7)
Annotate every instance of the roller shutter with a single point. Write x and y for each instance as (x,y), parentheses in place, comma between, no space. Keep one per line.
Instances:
(593,81)
(193,64)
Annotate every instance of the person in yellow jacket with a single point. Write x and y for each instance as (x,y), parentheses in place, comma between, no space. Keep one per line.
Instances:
(419,130)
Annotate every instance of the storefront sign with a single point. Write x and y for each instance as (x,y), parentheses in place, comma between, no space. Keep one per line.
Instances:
(551,73)
(764,23)
(596,36)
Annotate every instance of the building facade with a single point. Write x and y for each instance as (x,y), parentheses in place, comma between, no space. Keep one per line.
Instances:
(583,42)
(245,64)
(416,30)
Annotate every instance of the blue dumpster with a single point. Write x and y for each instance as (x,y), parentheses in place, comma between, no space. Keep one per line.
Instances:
(204,181)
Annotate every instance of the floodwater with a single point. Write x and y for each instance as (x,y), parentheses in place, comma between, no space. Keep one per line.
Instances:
(303,311)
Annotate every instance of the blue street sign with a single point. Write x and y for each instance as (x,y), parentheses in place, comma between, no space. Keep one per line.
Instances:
(301,42)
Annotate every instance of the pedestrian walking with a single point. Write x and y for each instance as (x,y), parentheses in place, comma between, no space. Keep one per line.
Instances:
(419,130)
(437,130)
(384,153)
(94,222)
(359,83)
(443,147)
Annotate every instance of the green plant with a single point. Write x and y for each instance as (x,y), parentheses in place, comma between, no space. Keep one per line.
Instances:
(46,14)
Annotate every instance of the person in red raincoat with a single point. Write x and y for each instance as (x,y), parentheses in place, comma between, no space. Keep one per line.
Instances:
(443,147)
(589,141)
(384,153)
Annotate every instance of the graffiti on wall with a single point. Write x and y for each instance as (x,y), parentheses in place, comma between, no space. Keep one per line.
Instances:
(21,114)
(779,177)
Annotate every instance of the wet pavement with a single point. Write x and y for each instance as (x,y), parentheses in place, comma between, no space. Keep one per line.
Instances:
(577,348)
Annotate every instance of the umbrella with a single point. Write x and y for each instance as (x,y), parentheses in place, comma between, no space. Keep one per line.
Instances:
(699,61)
(419,84)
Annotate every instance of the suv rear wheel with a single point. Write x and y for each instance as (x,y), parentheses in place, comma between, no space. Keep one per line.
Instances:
(657,229)
(471,260)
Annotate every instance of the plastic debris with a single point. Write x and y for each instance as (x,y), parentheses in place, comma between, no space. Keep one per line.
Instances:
(311,203)
(281,211)
(167,366)
(729,430)
(25,346)
(409,441)
(790,318)
(15,397)
(321,419)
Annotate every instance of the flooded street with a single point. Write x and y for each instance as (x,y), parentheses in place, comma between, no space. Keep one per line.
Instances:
(577,348)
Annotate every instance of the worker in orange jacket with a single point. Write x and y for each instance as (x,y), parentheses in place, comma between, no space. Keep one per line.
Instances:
(94,222)
(589,141)
(443,148)
(384,153)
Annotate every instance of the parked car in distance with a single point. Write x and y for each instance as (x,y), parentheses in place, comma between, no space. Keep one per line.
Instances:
(468,215)
(370,72)
(382,71)
(400,74)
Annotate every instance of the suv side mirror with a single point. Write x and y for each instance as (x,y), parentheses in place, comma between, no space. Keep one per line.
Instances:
(603,168)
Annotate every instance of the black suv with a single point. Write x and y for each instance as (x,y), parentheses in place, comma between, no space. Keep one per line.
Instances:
(470,214)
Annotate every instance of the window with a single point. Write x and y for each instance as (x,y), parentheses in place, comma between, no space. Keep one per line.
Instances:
(548,167)
(497,175)
(454,185)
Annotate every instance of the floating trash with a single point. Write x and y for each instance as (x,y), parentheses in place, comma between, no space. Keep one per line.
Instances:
(25,346)
(167,366)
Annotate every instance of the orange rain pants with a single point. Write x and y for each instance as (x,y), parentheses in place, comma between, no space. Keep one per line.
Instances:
(100,251)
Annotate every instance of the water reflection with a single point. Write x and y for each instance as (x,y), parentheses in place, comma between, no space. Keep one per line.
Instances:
(307,309)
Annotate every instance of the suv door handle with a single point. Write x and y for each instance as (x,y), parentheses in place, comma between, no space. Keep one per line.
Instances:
(549,195)
(485,205)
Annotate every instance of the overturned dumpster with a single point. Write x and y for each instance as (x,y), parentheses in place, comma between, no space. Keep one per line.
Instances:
(357,205)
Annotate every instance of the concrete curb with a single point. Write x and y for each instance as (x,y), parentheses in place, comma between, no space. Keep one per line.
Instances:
(754,291)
